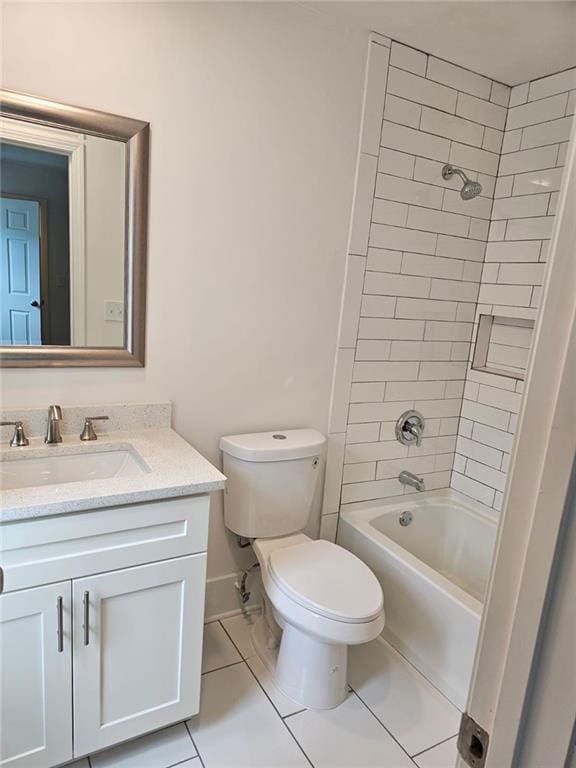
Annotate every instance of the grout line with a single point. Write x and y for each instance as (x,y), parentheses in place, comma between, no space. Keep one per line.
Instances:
(435,745)
(225,666)
(244,658)
(194,743)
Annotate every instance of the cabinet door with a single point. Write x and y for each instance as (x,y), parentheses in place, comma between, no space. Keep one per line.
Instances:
(36,677)
(137,650)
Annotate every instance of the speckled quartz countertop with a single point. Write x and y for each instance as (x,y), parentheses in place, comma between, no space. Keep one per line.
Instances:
(174,469)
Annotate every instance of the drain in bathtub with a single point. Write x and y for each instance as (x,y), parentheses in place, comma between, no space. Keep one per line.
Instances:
(405,518)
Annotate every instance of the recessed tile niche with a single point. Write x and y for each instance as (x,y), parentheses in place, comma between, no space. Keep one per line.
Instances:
(503,345)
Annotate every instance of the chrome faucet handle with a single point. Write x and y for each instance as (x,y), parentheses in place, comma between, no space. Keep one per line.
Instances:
(410,428)
(19,439)
(88,432)
(53,426)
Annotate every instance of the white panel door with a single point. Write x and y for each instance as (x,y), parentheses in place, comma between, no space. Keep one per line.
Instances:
(137,650)
(36,677)
(20,272)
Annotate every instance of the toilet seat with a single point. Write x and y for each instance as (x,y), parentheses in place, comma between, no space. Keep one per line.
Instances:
(327,580)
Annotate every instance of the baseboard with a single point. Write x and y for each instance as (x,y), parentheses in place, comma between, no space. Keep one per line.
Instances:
(223,598)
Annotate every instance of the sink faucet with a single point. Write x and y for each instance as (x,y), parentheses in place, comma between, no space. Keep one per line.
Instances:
(53,426)
(407,478)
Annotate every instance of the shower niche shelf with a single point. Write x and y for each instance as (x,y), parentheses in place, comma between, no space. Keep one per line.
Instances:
(502,345)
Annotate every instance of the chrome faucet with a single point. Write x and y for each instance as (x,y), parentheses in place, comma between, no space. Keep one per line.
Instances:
(53,426)
(407,478)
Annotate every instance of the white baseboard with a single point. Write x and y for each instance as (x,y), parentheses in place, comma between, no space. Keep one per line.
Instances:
(223,599)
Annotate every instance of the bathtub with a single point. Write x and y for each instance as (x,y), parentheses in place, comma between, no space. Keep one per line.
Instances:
(434,572)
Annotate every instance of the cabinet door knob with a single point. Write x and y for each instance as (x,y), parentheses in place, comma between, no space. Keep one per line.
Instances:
(86,625)
(60,618)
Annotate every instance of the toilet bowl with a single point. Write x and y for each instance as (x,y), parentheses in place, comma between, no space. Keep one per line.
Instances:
(318,597)
(322,598)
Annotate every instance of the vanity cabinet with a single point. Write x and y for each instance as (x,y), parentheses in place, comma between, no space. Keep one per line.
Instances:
(110,652)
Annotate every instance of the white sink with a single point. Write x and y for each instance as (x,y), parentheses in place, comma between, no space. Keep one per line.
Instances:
(27,472)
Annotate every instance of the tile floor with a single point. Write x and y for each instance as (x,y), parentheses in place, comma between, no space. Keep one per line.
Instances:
(392,718)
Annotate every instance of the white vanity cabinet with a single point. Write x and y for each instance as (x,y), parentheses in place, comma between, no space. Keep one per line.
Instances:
(101,626)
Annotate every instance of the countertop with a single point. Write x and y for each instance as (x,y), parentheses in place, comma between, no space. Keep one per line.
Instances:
(176,469)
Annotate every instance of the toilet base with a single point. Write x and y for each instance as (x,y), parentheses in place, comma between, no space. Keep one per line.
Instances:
(310,672)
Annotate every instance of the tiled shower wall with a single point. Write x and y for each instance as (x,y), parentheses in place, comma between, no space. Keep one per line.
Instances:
(533,154)
(416,266)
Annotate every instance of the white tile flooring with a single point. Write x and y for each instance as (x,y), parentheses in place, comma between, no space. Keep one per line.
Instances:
(392,717)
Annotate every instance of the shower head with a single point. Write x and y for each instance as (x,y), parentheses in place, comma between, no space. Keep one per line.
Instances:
(470,189)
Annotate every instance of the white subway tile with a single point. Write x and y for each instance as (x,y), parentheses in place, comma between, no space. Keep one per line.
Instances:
(479,452)
(378,306)
(458,78)
(425,309)
(500,398)
(399,110)
(334,463)
(524,206)
(420,350)
(504,186)
(546,133)
(523,250)
(521,274)
(457,331)
(471,488)
(558,83)
(387,212)
(372,349)
(498,500)
(396,163)
(459,463)
(460,350)
(515,295)
(500,94)
(430,171)
(365,413)
(374,94)
(352,299)
(422,91)
(534,182)
(554,197)
(479,207)
(408,58)
(362,452)
(341,390)
(367,393)
(491,379)
(448,427)
(492,140)
(376,489)
(519,94)
(528,160)
(359,473)
(490,272)
(416,464)
(537,111)
(383,260)
(451,127)
(513,423)
(408,191)
(430,371)
(471,390)
(465,156)
(479,229)
(536,228)
(432,266)
(401,239)
(562,151)
(465,311)
(396,285)
(409,390)
(437,221)
(363,433)
(376,37)
(511,141)
(497,231)
(454,389)
(376,328)
(404,139)
(483,112)
(472,272)
(493,437)
(362,204)
(460,248)
(485,414)
(433,445)
(456,290)
(571,107)
(443,409)
(488,184)
(387,371)
(487,475)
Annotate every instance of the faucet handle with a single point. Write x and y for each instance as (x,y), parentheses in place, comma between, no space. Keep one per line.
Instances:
(88,432)
(409,428)
(19,439)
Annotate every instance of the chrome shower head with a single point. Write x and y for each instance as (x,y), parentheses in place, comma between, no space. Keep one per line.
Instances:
(470,189)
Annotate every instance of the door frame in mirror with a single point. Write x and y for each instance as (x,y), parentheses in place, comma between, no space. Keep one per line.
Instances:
(136,135)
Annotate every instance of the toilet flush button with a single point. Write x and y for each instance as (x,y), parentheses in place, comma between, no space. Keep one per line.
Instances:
(278,437)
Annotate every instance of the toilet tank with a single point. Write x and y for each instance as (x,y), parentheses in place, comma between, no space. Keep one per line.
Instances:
(273,481)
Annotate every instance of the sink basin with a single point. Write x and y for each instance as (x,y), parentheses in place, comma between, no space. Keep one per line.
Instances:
(27,472)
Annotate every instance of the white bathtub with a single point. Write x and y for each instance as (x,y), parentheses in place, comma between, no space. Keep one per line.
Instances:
(434,573)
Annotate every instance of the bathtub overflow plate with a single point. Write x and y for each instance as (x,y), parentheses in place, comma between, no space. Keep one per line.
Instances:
(405,518)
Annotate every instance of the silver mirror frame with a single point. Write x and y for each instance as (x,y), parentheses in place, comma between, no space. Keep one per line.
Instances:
(136,135)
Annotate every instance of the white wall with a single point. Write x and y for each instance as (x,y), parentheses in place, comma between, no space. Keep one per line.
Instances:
(255,113)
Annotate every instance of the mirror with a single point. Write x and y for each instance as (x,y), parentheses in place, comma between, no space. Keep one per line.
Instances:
(73,195)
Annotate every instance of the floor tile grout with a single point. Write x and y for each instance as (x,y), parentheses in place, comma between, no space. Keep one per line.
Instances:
(194,743)
(224,666)
(423,752)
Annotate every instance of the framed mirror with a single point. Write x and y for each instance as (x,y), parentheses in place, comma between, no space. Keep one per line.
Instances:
(73,204)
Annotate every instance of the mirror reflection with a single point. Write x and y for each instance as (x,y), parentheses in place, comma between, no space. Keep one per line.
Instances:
(62,203)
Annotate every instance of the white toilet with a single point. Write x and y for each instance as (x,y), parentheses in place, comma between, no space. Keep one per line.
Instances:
(319,598)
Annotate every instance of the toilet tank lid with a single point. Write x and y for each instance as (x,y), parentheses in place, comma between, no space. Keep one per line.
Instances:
(279,445)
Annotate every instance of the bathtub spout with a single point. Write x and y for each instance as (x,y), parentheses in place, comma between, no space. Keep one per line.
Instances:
(407,478)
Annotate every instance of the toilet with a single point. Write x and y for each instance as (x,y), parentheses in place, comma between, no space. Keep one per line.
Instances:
(318,597)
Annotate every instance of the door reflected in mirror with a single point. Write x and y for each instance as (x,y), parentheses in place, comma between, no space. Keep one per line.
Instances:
(63,242)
